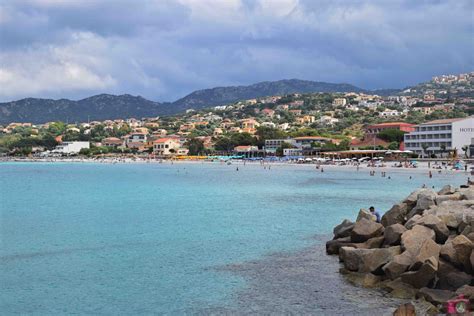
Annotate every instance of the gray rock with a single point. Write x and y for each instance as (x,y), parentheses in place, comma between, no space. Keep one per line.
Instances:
(398,265)
(412,239)
(393,234)
(468,193)
(453,213)
(412,221)
(451,197)
(375,242)
(467,291)
(447,189)
(439,227)
(399,289)
(435,296)
(447,251)
(343,229)
(367,260)
(428,249)
(455,279)
(463,249)
(365,229)
(333,246)
(365,214)
(426,199)
(424,276)
(395,215)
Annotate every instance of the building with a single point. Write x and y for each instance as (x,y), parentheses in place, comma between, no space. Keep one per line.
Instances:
(292,152)
(306,142)
(440,136)
(372,142)
(389,113)
(166,147)
(71,147)
(339,102)
(112,142)
(247,151)
(375,129)
(271,145)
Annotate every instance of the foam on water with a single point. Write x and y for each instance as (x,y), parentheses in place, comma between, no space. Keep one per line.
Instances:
(150,238)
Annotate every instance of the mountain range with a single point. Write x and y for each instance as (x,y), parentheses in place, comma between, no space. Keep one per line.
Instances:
(106,106)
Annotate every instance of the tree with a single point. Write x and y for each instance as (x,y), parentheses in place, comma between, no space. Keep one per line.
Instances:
(393,145)
(195,146)
(279,151)
(391,135)
(442,148)
(465,149)
(424,147)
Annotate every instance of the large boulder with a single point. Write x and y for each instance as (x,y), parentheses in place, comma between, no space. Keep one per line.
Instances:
(447,251)
(453,213)
(454,280)
(463,249)
(467,193)
(395,215)
(424,276)
(451,197)
(364,214)
(447,189)
(412,221)
(439,227)
(368,280)
(427,249)
(366,260)
(426,199)
(393,234)
(333,246)
(343,229)
(398,265)
(467,291)
(435,296)
(412,239)
(372,243)
(365,229)
(399,289)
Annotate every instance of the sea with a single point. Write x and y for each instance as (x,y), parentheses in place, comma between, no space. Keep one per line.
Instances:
(174,239)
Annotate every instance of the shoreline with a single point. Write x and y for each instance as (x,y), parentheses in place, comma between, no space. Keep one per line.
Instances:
(421,166)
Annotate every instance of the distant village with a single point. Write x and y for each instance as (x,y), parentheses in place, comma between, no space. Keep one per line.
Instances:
(437,123)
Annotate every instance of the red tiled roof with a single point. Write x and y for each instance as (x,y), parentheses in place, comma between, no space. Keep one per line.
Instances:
(164,140)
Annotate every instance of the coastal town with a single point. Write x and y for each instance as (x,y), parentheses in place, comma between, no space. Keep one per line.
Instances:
(435,124)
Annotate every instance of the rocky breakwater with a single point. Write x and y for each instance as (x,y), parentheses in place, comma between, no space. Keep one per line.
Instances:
(423,247)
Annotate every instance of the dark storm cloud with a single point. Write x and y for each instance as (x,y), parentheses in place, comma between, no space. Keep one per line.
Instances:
(165,49)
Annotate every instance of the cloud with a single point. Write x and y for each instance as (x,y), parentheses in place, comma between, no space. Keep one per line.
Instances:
(164,49)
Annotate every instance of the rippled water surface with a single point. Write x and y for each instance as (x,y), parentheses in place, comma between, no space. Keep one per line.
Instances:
(161,238)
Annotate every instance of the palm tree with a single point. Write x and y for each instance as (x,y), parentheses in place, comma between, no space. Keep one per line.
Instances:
(464,149)
(442,148)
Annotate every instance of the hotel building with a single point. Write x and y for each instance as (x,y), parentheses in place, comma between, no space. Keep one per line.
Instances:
(451,133)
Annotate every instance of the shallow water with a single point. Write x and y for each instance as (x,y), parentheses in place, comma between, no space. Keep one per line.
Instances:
(159,238)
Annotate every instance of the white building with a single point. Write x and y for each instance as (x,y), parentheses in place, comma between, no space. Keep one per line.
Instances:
(71,147)
(449,133)
(339,102)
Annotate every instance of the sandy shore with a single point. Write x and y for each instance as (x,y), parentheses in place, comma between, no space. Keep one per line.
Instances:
(390,166)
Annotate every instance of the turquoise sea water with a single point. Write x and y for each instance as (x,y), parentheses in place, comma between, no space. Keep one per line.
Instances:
(147,238)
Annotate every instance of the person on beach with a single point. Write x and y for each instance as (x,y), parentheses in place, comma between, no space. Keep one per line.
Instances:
(430,174)
(375,213)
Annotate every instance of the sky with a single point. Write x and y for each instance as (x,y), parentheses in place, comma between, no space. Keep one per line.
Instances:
(165,49)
